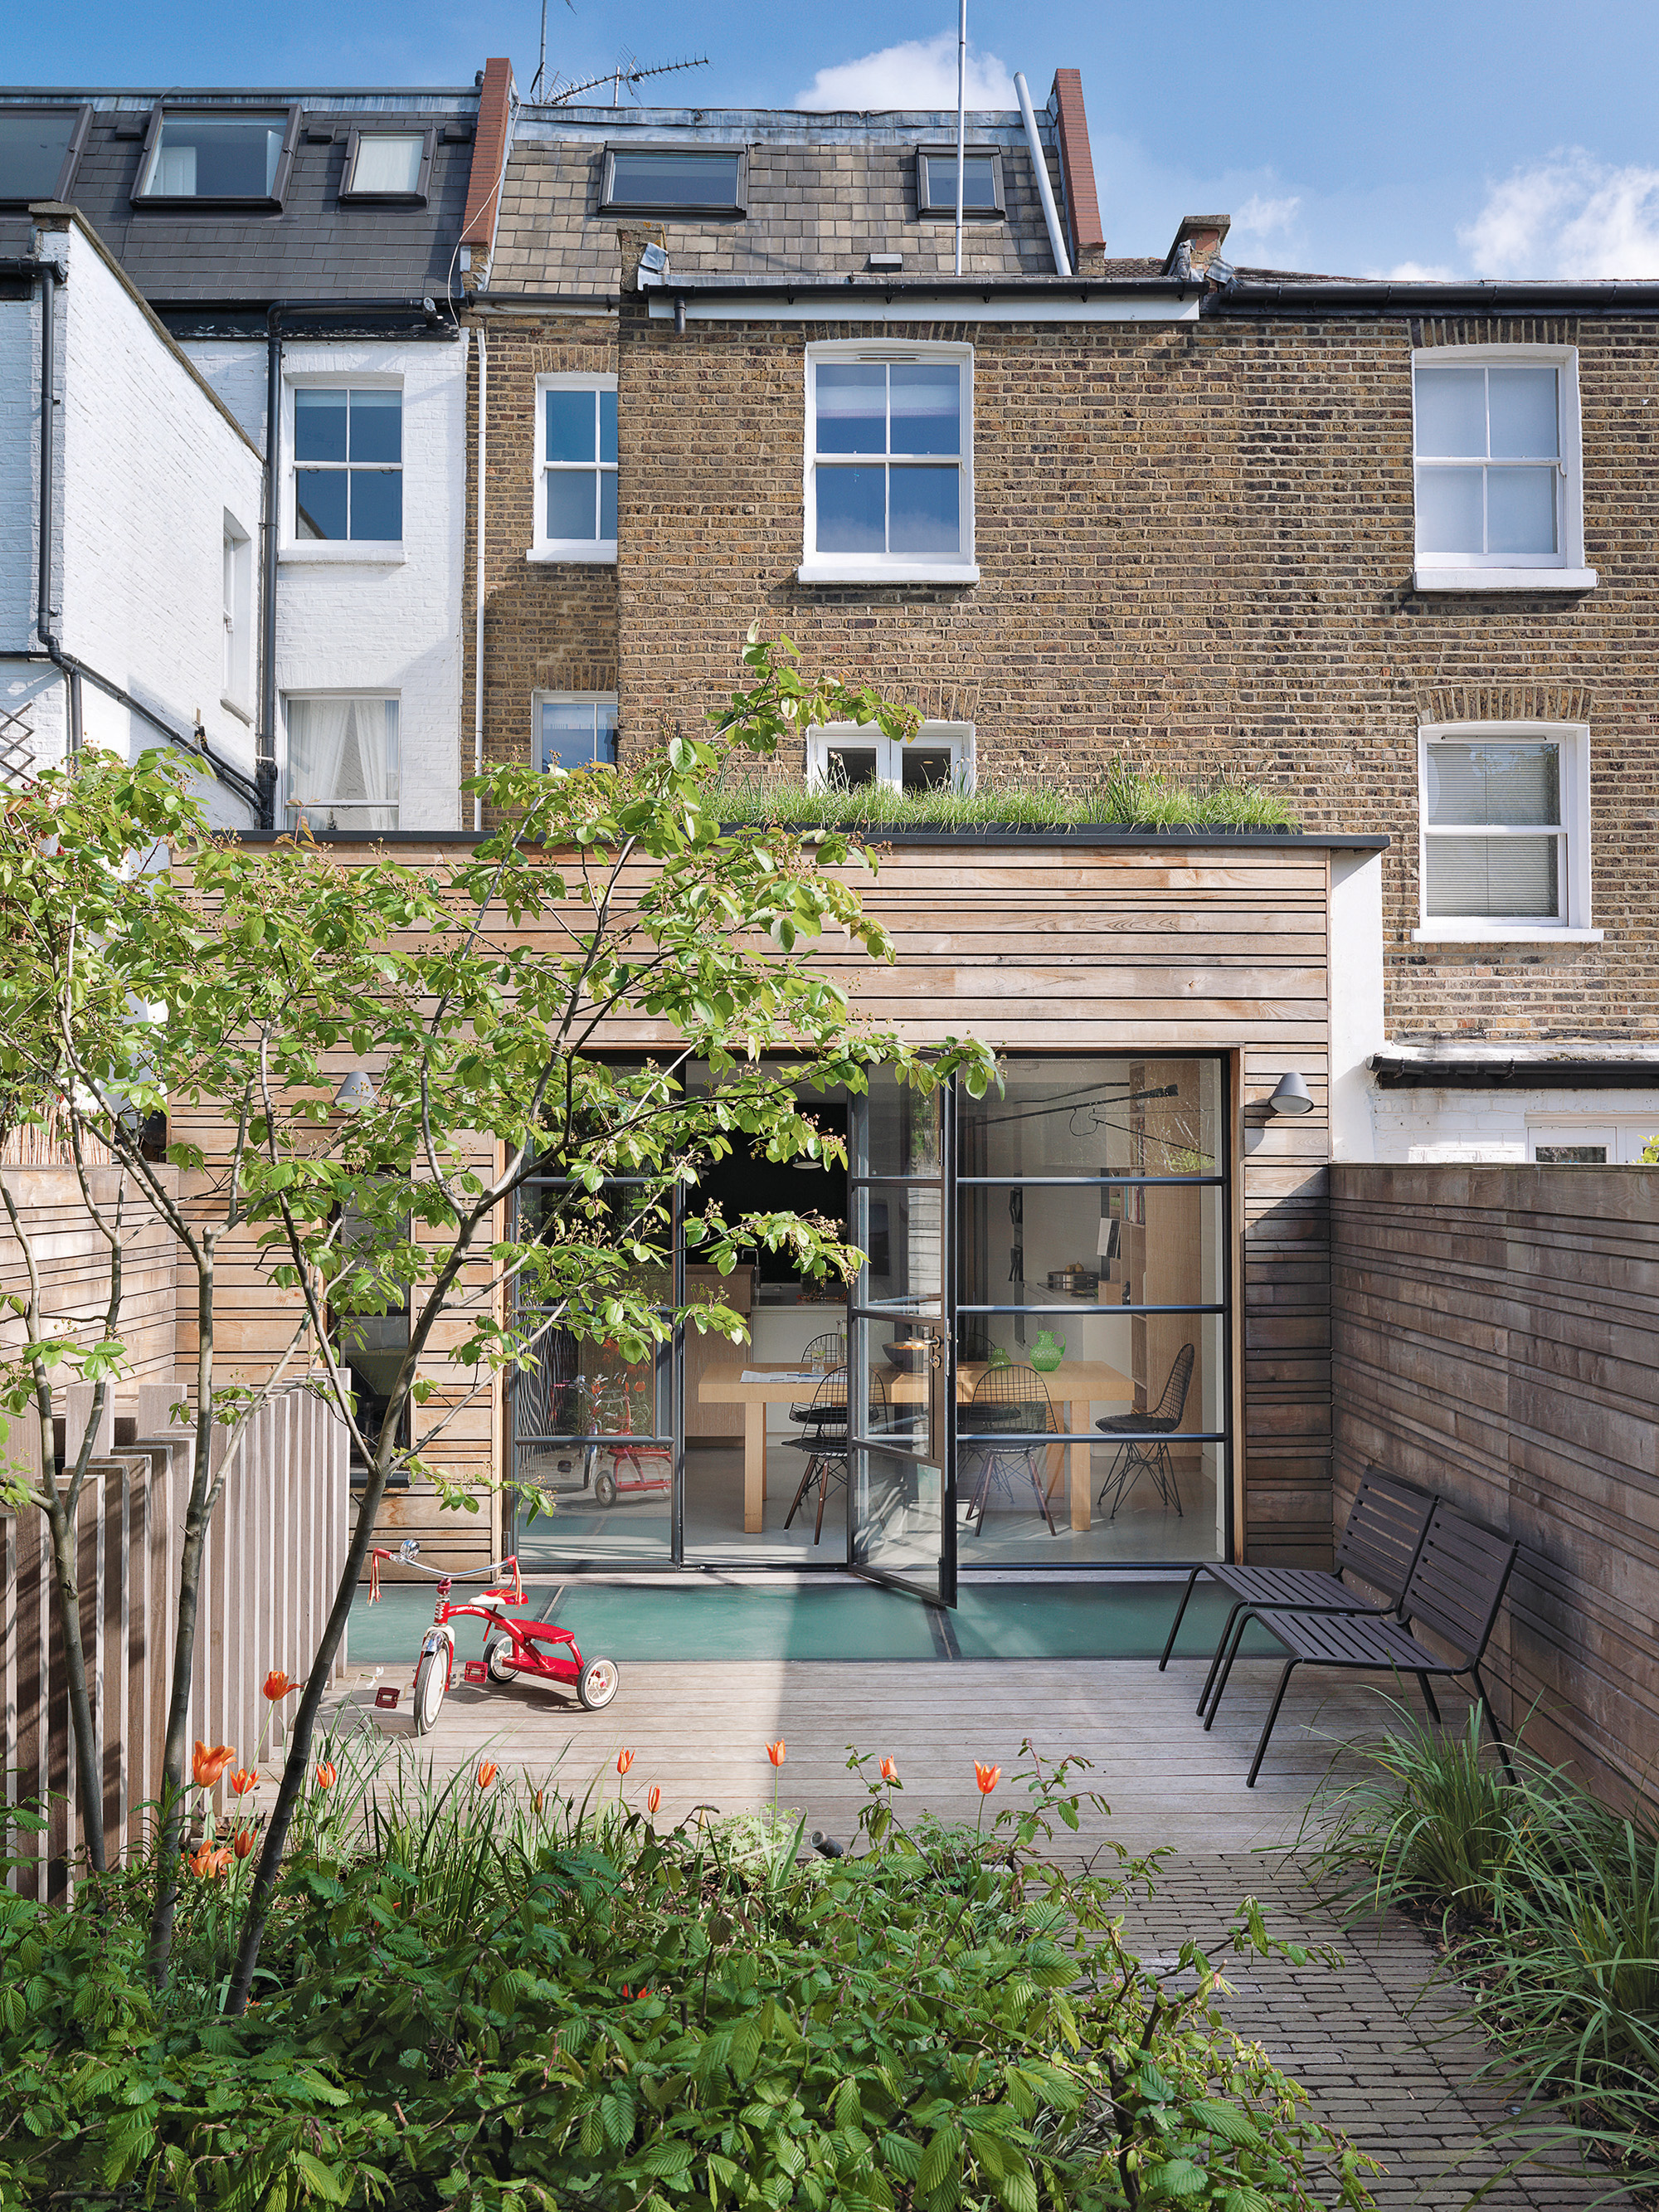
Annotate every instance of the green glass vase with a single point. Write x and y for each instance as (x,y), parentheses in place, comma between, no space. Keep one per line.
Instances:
(1047,1351)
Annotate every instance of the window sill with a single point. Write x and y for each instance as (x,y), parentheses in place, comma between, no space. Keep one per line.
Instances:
(234,707)
(596,553)
(366,552)
(1475,932)
(823,568)
(1429,579)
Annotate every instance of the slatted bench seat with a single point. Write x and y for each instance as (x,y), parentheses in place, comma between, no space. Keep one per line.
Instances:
(1378,1546)
(1455,1592)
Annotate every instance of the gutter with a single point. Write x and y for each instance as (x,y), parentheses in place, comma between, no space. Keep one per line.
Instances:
(1393,1072)
(1616,296)
(265,740)
(946,287)
(75,671)
(1087,835)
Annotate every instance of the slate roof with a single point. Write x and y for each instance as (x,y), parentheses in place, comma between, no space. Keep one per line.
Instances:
(825,191)
(314,248)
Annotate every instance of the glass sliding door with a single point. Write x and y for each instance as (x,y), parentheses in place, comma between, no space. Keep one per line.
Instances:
(1090,1303)
(901,1370)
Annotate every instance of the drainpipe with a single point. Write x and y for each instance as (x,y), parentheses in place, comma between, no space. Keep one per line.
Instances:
(279,310)
(478,584)
(1045,191)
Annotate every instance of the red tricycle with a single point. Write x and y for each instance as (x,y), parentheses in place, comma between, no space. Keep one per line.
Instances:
(539,1650)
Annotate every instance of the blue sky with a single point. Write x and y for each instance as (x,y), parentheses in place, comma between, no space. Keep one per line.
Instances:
(1454,137)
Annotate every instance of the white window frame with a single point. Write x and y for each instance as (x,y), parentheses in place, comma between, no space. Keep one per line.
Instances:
(1480,572)
(378,698)
(1573,873)
(360,552)
(958,737)
(540,699)
(237,664)
(959,568)
(594,550)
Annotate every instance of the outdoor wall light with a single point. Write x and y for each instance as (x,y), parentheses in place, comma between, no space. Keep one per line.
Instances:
(354,1093)
(1292,1096)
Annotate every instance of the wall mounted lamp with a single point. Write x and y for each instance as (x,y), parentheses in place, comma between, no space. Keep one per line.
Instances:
(354,1093)
(1292,1096)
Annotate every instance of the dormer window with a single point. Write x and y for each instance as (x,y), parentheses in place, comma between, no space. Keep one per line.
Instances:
(222,155)
(40,149)
(676,180)
(981,182)
(388,167)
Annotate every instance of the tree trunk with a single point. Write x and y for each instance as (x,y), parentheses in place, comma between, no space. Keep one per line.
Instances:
(88,1767)
(184,1649)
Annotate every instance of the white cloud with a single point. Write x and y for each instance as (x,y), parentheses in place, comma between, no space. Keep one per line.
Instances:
(1415,272)
(919,73)
(1570,216)
(1259,217)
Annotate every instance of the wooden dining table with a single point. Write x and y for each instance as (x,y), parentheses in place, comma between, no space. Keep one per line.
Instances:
(1077,1385)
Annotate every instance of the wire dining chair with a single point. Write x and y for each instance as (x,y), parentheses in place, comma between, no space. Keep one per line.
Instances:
(1005,1399)
(1146,1451)
(825,1440)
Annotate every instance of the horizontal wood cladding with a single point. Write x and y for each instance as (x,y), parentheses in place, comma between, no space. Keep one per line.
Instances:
(1496,1336)
(1037,947)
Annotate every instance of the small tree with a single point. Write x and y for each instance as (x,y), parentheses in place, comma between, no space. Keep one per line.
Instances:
(479,994)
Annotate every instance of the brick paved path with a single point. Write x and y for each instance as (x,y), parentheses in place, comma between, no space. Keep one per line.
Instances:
(1389,2061)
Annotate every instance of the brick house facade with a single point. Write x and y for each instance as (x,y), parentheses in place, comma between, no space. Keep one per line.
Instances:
(1194,531)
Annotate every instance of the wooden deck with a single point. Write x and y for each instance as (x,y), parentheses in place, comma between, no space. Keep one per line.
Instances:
(698,1730)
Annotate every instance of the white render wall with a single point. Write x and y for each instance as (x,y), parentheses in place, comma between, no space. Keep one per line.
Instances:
(347,621)
(150,466)
(1499,1126)
(20,490)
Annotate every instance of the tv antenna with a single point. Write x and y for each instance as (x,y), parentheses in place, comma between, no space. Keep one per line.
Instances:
(628,71)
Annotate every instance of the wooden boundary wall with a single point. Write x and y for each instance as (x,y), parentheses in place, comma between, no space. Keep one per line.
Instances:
(1497,1337)
(275,1550)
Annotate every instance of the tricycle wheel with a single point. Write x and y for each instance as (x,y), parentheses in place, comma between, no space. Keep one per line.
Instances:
(598,1684)
(498,1657)
(604,1486)
(431,1680)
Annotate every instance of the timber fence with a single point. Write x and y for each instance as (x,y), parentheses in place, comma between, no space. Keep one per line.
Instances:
(275,1546)
(1496,1335)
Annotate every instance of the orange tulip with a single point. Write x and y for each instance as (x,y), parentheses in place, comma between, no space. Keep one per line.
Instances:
(987,1777)
(488,1771)
(242,1842)
(774,1751)
(209,1765)
(244,1779)
(327,1774)
(890,1770)
(536,1799)
(277,1685)
(653,1799)
(209,1862)
(624,1760)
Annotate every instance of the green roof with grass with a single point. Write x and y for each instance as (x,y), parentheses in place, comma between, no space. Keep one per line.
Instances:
(1124,799)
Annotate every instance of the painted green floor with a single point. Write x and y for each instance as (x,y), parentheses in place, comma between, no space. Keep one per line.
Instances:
(1122,1620)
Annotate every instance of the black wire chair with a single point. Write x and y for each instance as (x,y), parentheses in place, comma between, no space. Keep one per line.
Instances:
(1146,1451)
(824,1440)
(824,1353)
(1005,1399)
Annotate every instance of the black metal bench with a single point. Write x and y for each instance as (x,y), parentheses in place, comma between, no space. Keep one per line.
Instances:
(1379,1547)
(1455,1589)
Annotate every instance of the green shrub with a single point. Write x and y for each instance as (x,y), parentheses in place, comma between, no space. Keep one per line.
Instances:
(1548,1905)
(490,2003)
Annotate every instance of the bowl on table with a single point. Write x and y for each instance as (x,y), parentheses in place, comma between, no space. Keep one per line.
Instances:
(910,1355)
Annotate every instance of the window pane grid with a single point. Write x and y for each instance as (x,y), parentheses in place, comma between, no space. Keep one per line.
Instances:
(887,448)
(1488,453)
(1494,844)
(579,464)
(348,451)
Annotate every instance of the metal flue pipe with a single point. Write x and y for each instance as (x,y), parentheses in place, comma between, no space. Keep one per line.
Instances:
(962,117)
(1045,191)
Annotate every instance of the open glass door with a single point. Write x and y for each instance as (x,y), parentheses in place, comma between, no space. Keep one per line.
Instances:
(900,1342)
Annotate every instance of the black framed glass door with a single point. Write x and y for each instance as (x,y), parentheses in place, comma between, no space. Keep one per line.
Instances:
(901,1368)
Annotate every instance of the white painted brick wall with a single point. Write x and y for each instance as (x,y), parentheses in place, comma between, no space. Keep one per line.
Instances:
(1492,1126)
(367,626)
(20,354)
(150,466)
(235,368)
